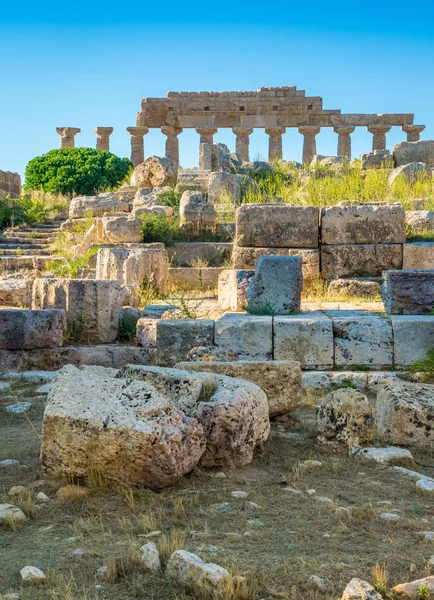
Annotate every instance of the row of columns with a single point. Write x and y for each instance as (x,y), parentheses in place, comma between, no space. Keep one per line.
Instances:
(207,132)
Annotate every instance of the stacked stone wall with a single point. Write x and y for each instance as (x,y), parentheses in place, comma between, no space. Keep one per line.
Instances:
(10,184)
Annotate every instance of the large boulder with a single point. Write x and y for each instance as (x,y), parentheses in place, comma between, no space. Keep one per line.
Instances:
(123,428)
(122,229)
(276,285)
(232,412)
(346,416)
(405,413)
(156,171)
(405,153)
(410,172)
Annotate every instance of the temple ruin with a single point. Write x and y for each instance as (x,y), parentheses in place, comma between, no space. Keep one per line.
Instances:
(273,109)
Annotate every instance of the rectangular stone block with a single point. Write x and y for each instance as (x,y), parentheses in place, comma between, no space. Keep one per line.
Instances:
(189,254)
(246,258)
(93,307)
(31,329)
(232,287)
(363,224)
(16,292)
(413,336)
(176,337)
(249,336)
(277,225)
(191,278)
(306,338)
(276,285)
(363,340)
(280,379)
(418,255)
(359,260)
(409,292)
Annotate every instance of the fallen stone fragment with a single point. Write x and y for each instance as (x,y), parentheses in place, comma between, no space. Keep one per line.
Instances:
(410,473)
(9,512)
(32,574)
(43,498)
(79,554)
(150,556)
(316,583)
(389,517)
(358,589)
(415,590)
(239,495)
(425,485)
(390,455)
(188,569)
(426,535)
(8,463)
(18,408)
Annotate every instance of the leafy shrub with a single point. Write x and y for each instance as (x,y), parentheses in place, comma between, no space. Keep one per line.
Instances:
(157,228)
(425,367)
(171,197)
(14,211)
(76,171)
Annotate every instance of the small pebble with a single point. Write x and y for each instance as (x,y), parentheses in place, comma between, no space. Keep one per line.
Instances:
(18,408)
(311,492)
(41,497)
(312,463)
(79,553)
(291,490)
(342,511)
(239,494)
(426,535)
(9,462)
(425,485)
(32,574)
(101,572)
(317,583)
(390,517)
(324,499)
(256,522)
(388,502)
(221,506)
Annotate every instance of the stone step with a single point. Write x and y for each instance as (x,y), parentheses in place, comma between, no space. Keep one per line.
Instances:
(14,246)
(24,251)
(27,240)
(14,263)
(29,233)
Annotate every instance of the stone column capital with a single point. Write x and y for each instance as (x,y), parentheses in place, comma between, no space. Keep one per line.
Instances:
(206,129)
(242,131)
(344,129)
(275,130)
(68,131)
(309,129)
(103,131)
(378,129)
(138,131)
(171,131)
(413,128)
(102,137)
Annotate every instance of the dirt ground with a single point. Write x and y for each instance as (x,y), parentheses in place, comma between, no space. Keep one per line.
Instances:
(277,543)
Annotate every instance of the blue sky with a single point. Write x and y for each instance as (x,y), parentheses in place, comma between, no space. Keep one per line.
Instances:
(90,64)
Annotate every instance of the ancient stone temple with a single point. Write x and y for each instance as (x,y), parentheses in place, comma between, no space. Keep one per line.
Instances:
(271,109)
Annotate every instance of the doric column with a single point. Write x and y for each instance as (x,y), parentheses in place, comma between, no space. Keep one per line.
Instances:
(137,144)
(344,140)
(309,143)
(67,136)
(172,144)
(275,141)
(242,141)
(102,137)
(379,133)
(413,132)
(206,133)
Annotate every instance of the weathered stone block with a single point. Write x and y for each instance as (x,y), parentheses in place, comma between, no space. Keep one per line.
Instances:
(93,308)
(246,258)
(280,380)
(363,224)
(197,217)
(250,337)
(16,292)
(224,184)
(232,287)
(361,260)
(156,171)
(363,340)
(97,206)
(375,160)
(188,254)
(409,292)
(176,337)
(408,152)
(419,220)
(191,278)
(277,225)
(418,255)
(413,336)
(405,414)
(122,229)
(138,265)
(411,172)
(362,288)
(276,284)
(31,329)
(306,338)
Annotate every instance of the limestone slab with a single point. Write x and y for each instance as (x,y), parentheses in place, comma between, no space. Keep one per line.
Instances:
(408,292)
(187,254)
(277,225)
(359,260)
(22,329)
(232,287)
(246,258)
(364,340)
(413,336)
(249,336)
(418,255)
(363,224)
(176,337)
(306,338)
